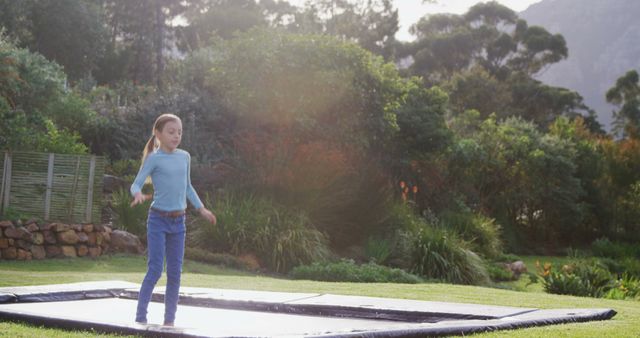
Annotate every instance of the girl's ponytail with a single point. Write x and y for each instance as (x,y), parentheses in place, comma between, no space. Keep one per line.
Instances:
(148,148)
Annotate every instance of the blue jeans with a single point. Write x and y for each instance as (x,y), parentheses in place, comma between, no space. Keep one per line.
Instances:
(165,238)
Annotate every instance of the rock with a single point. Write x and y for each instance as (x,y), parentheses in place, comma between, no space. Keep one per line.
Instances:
(95,251)
(60,227)
(53,251)
(91,238)
(38,252)
(37,238)
(517,268)
(22,244)
(5,224)
(69,251)
(47,226)
(49,237)
(10,253)
(4,243)
(22,255)
(17,233)
(82,237)
(32,227)
(122,241)
(87,228)
(68,237)
(82,250)
(250,261)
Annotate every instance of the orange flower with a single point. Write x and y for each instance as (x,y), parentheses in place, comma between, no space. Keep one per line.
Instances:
(402,184)
(415,189)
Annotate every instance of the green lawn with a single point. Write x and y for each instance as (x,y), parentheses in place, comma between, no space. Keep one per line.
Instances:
(625,324)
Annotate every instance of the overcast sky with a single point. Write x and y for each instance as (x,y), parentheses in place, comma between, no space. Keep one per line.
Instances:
(410,11)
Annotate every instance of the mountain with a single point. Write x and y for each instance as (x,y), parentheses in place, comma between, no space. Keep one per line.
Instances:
(603,38)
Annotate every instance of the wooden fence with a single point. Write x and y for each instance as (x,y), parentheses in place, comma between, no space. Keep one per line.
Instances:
(54,187)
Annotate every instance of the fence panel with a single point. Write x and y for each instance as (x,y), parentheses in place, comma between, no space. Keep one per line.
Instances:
(54,187)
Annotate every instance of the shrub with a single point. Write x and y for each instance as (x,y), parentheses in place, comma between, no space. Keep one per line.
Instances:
(204,256)
(603,247)
(579,278)
(348,271)
(131,219)
(482,233)
(440,254)
(627,287)
(378,250)
(498,272)
(251,224)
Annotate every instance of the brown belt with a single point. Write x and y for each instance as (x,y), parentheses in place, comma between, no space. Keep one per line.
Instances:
(173,214)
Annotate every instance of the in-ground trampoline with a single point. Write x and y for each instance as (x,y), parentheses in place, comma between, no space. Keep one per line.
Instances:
(109,307)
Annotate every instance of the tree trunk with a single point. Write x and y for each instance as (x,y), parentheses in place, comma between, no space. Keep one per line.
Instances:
(160,26)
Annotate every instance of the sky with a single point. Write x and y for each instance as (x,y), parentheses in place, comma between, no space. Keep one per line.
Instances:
(410,11)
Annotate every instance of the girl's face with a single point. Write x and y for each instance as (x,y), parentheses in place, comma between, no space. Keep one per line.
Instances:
(170,136)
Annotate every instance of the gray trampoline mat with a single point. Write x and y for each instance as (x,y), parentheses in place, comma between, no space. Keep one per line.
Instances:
(203,312)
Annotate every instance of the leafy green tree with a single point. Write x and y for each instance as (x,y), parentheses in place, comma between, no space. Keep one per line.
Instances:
(70,32)
(490,35)
(486,58)
(626,95)
(372,24)
(524,179)
(29,88)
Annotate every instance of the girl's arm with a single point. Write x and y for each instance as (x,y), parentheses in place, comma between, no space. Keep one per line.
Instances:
(136,187)
(192,196)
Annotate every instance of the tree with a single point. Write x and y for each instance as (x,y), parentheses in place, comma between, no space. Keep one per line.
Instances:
(626,95)
(489,35)
(523,178)
(70,32)
(30,87)
(372,23)
(139,34)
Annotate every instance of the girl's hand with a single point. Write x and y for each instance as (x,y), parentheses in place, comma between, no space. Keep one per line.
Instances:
(208,215)
(140,198)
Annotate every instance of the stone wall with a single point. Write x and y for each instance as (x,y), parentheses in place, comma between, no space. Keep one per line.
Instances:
(34,240)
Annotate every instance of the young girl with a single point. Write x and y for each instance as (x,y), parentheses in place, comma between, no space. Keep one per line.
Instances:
(169,168)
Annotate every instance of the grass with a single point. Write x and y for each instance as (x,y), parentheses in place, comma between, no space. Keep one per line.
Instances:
(129,268)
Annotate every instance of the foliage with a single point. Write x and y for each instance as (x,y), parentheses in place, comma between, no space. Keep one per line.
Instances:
(440,254)
(498,272)
(627,287)
(204,256)
(522,178)
(348,271)
(131,219)
(481,232)
(247,223)
(378,250)
(31,98)
(603,247)
(579,278)
(626,95)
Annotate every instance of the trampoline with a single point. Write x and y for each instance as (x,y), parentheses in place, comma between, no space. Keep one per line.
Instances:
(109,306)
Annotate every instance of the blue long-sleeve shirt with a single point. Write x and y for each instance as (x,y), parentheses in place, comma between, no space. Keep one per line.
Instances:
(171,177)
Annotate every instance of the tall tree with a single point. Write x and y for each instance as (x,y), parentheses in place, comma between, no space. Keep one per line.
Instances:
(490,35)
(70,32)
(626,95)
(139,33)
(372,23)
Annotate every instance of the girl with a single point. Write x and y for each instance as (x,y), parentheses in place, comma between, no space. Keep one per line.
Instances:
(169,168)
